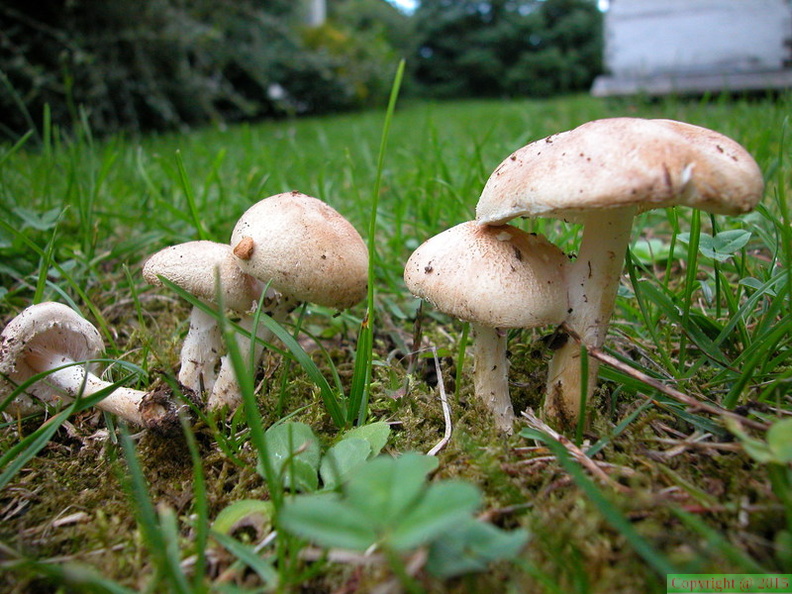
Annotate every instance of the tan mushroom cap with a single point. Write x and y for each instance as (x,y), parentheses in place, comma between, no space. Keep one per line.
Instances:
(46,327)
(191,266)
(618,162)
(305,248)
(501,277)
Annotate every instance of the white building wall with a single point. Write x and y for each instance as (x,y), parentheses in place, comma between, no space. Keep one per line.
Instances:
(645,37)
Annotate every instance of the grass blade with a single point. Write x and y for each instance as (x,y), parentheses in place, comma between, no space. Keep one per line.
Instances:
(690,280)
(248,555)
(13,460)
(148,521)
(724,549)
(19,455)
(200,505)
(75,577)
(197,221)
(357,407)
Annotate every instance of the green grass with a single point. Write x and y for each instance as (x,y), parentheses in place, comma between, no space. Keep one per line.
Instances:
(78,216)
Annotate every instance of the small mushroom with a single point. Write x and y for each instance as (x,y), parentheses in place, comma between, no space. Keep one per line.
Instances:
(195,266)
(496,278)
(304,248)
(602,174)
(51,337)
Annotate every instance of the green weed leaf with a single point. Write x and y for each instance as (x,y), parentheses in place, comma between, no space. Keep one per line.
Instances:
(245,512)
(376,434)
(443,506)
(293,452)
(471,546)
(653,251)
(385,488)
(328,521)
(342,459)
(356,446)
(722,246)
(776,450)
(779,440)
(40,221)
(300,476)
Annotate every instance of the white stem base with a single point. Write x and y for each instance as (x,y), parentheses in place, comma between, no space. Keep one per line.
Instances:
(226,391)
(593,283)
(491,374)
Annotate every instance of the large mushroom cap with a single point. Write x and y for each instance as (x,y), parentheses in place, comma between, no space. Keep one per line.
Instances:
(501,277)
(192,265)
(305,248)
(45,328)
(617,162)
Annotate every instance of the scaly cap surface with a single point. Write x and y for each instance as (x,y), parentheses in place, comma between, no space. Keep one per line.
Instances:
(617,162)
(501,277)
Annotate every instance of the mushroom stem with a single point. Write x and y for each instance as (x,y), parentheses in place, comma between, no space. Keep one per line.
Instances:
(200,354)
(227,391)
(593,281)
(491,373)
(75,381)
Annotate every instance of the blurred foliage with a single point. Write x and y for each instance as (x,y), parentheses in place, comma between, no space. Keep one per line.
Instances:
(166,64)
(172,64)
(497,48)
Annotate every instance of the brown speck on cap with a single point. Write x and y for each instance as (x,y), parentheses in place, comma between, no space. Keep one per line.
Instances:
(484,282)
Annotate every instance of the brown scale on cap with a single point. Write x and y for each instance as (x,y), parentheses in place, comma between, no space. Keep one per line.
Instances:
(304,248)
(244,249)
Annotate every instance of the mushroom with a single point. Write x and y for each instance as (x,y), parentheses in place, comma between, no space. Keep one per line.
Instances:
(496,278)
(304,249)
(51,337)
(602,174)
(195,266)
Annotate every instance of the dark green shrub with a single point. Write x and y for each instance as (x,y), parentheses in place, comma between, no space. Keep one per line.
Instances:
(170,63)
(507,47)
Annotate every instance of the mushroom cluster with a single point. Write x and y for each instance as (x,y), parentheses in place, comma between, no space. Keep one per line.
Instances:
(286,249)
(600,174)
(291,248)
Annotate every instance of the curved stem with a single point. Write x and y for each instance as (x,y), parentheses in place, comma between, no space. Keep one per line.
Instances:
(75,380)
(491,374)
(593,281)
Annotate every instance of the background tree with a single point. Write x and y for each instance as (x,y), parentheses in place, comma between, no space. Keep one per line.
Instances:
(165,64)
(173,63)
(507,47)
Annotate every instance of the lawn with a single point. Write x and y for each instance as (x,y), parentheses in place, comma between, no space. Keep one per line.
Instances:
(650,486)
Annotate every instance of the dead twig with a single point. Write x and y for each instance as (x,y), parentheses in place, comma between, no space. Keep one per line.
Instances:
(535,422)
(446,409)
